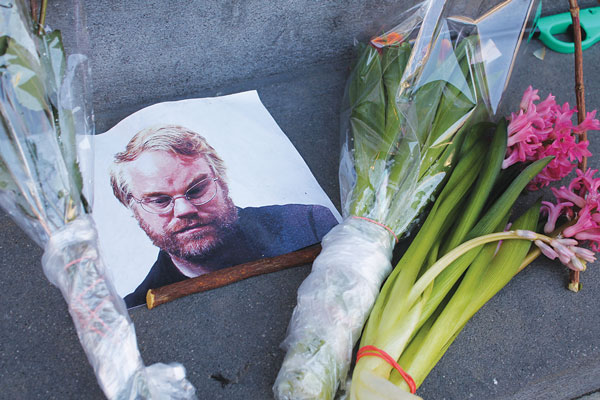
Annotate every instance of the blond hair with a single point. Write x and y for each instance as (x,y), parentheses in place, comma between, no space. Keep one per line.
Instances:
(170,138)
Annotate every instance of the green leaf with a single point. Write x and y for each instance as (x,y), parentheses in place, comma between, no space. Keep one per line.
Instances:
(55,64)
(507,262)
(494,216)
(38,152)
(502,206)
(487,274)
(367,123)
(420,360)
(53,60)
(22,69)
(7,183)
(482,190)
(394,62)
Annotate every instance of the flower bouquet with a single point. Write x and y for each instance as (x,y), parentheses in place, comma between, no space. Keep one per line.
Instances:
(417,102)
(461,256)
(44,147)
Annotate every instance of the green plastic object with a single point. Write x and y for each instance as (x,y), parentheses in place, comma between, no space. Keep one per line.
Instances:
(558,24)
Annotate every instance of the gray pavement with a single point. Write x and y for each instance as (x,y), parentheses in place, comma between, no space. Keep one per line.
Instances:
(534,340)
(593,396)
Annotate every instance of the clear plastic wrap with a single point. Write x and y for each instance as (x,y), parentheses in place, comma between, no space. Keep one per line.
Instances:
(322,340)
(44,147)
(412,98)
(72,262)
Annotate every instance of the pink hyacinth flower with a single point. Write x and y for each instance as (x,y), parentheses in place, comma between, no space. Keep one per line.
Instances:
(592,235)
(529,97)
(554,212)
(566,250)
(545,106)
(583,192)
(589,123)
(546,250)
(585,222)
(586,179)
(565,254)
(575,264)
(592,186)
(565,194)
(546,129)
(585,254)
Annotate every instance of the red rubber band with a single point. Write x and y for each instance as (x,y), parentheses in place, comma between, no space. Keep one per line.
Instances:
(77,262)
(374,351)
(387,228)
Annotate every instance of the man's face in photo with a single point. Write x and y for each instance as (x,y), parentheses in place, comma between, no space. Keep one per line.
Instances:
(186,231)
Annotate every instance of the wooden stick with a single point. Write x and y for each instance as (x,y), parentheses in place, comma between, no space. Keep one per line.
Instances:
(226,276)
(574,283)
(34,10)
(579,86)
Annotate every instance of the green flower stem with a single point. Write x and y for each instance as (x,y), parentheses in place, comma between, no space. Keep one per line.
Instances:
(451,256)
(445,281)
(489,223)
(42,19)
(468,217)
(405,273)
(428,277)
(403,276)
(424,350)
(487,275)
(407,270)
(393,338)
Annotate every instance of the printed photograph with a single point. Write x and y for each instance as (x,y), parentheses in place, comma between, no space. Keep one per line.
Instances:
(190,187)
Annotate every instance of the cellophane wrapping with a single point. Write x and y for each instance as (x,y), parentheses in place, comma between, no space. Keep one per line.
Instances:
(72,262)
(319,344)
(46,122)
(411,100)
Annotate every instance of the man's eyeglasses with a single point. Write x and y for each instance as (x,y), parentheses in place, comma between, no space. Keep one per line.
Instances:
(199,194)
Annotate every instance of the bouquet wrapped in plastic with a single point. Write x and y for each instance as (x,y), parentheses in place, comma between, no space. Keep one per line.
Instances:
(416,99)
(46,121)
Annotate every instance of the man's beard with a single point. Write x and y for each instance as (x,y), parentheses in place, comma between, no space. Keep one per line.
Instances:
(197,246)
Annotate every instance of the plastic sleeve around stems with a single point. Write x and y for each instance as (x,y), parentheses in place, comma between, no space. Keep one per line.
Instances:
(72,262)
(333,304)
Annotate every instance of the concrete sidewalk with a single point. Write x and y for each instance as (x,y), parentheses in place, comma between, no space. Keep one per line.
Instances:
(534,340)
